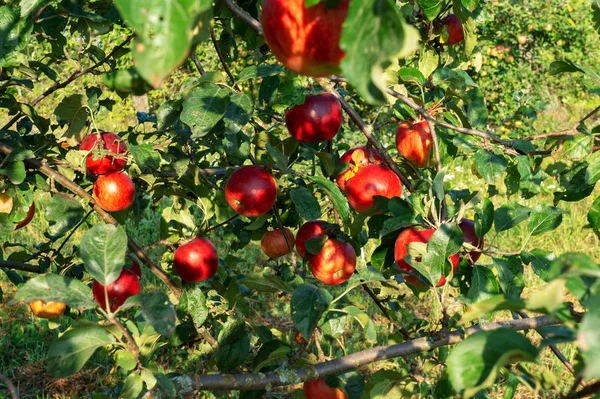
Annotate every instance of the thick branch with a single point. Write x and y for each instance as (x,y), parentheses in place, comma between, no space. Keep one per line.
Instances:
(244,16)
(346,363)
(74,76)
(10,386)
(43,168)
(24,267)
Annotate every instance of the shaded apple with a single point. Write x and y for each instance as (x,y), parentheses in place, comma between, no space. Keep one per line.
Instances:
(127,285)
(274,245)
(114,192)
(468,228)
(356,158)
(335,263)
(413,141)
(318,119)
(98,162)
(196,261)
(305,39)
(251,191)
(318,389)
(370,181)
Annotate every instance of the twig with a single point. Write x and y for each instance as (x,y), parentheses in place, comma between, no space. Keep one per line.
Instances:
(74,76)
(244,16)
(131,344)
(367,130)
(72,232)
(196,61)
(377,301)
(43,168)
(24,267)
(585,392)
(350,362)
(10,386)
(222,58)
(203,233)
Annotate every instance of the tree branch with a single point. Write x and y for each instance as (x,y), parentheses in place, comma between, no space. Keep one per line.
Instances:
(24,267)
(289,377)
(10,386)
(43,168)
(244,16)
(222,59)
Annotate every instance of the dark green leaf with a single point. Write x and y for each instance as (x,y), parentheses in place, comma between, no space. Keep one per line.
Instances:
(204,107)
(146,157)
(508,216)
(238,112)
(544,219)
(103,249)
(157,310)
(193,301)
(594,216)
(259,71)
(55,288)
(308,304)
(234,345)
(483,284)
(484,218)
(510,275)
(540,261)
(588,338)
(132,386)
(306,204)
(259,282)
(73,111)
(337,198)
(431,8)
(63,213)
(490,166)
(15,171)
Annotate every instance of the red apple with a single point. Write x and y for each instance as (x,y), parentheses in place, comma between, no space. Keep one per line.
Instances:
(318,389)
(370,181)
(318,119)
(468,228)
(251,191)
(306,232)
(357,158)
(128,284)
(196,261)
(114,192)
(409,236)
(274,245)
(28,217)
(413,141)
(134,266)
(335,263)
(98,144)
(305,40)
(454,29)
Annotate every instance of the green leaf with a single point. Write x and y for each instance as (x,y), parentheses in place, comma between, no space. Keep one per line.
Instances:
(543,219)
(564,66)
(73,111)
(132,386)
(483,284)
(204,107)
(508,216)
(157,310)
(540,261)
(394,224)
(306,204)
(259,282)
(234,345)
(374,33)
(260,71)
(475,363)
(596,14)
(63,213)
(490,166)
(164,33)
(594,216)
(588,338)
(55,288)
(510,275)
(238,112)
(308,304)
(125,359)
(411,75)
(337,198)
(484,218)
(193,301)
(146,157)
(69,353)
(15,171)
(103,249)
(431,8)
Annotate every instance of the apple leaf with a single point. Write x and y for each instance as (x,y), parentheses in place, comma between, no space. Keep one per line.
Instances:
(157,310)
(164,33)
(73,111)
(63,213)
(543,219)
(588,338)
(594,216)
(204,107)
(484,284)
(374,33)
(596,14)
(431,8)
(234,345)
(490,166)
(193,302)
(308,304)
(306,204)
(132,386)
(55,288)
(103,249)
(540,261)
(260,282)
(484,218)
(510,275)
(69,353)
(475,363)
(337,198)
(508,216)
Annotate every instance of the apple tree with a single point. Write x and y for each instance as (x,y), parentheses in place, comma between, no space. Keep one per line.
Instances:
(326,130)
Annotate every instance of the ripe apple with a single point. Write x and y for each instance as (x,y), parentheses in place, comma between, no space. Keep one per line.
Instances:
(28,217)
(335,263)
(522,39)
(409,236)
(468,228)
(318,119)
(196,261)
(306,232)
(6,203)
(318,389)
(413,141)
(305,39)
(357,158)
(274,245)
(128,284)
(98,144)
(454,29)
(47,310)
(134,266)
(370,181)
(251,191)
(114,192)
